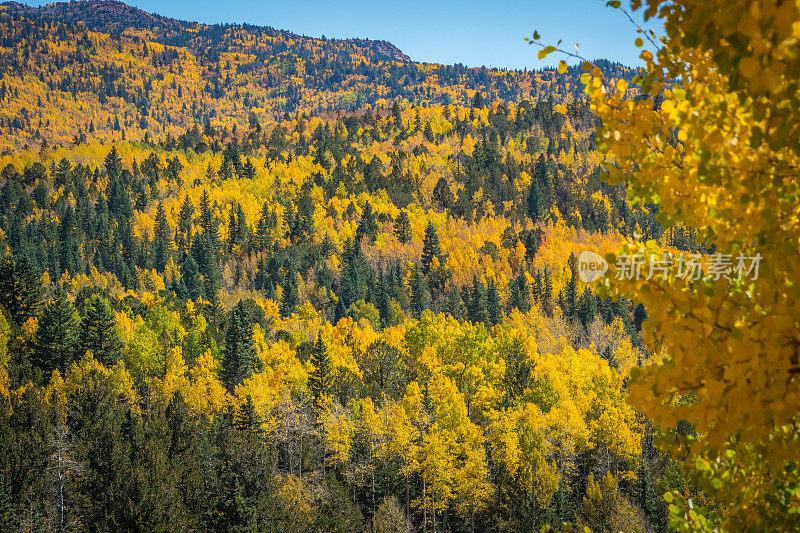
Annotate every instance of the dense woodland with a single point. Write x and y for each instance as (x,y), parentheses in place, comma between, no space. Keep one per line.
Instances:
(261,282)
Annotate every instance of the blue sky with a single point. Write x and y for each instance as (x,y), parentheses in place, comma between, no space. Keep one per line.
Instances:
(448,31)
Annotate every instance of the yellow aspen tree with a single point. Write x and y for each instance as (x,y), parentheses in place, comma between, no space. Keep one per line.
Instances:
(711,135)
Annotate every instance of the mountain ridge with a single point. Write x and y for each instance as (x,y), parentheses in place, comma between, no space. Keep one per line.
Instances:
(114,16)
(103,70)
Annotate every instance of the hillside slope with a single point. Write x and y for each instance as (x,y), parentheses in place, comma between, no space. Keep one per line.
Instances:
(103,70)
(254,281)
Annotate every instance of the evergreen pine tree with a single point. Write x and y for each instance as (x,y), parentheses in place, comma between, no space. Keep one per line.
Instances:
(587,307)
(70,255)
(232,513)
(398,117)
(98,333)
(248,170)
(191,278)
(383,298)
(430,247)
(162,240)
(520,297)
(477,302)
(639,316)
(185,220)
(646,495)
(319,380)
(493,310)
(242,229)
(8,515)
(547,293)
(368,226)
(232,228)
(355,275)
(540,171)
(238,360)
(63,173)
(420,295)
(54,346)
(113,164)
(291,296)
(454,304)
(535,202)
(442,194)
(609,356)
(571,289)
(20,288)
(247,418)
(226,169)
(402,227)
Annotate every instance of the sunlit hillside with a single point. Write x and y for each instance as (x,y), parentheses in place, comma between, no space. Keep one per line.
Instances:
(258,281)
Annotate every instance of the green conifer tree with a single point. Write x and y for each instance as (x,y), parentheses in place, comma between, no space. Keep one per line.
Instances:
(291,295)
(420,294)
(247,418)
(54,346)
(192,279)
(238,361)
(454,304)
(162,240)
(442,194)
(113,164)
(368,226)
(98,333)
(477,302)
(571,289)
(493,310)
(8,514)
(430,247)
(185,221)
(402,227)
(320,379)
(21,290)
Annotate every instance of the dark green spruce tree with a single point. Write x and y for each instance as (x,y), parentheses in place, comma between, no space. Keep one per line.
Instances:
(98,333)
(442,194)
(402,227)
(368,226)
(247,419)
(430,247)
(477,302)
(54,346)
(320,379)
(21,290)
(420,294)
(291,295)
(493,310)
(162,240)
(185,219)
(238,360)
(519,297)
(571,289)
(454,304)
(355,275)
(191,278)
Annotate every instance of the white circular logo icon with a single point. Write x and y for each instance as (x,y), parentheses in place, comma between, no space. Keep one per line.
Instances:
(591,266)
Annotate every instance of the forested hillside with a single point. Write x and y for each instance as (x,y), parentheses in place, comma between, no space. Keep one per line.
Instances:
(261,282)
(102,70)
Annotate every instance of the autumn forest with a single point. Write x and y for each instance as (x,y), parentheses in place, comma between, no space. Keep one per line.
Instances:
(258,281)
